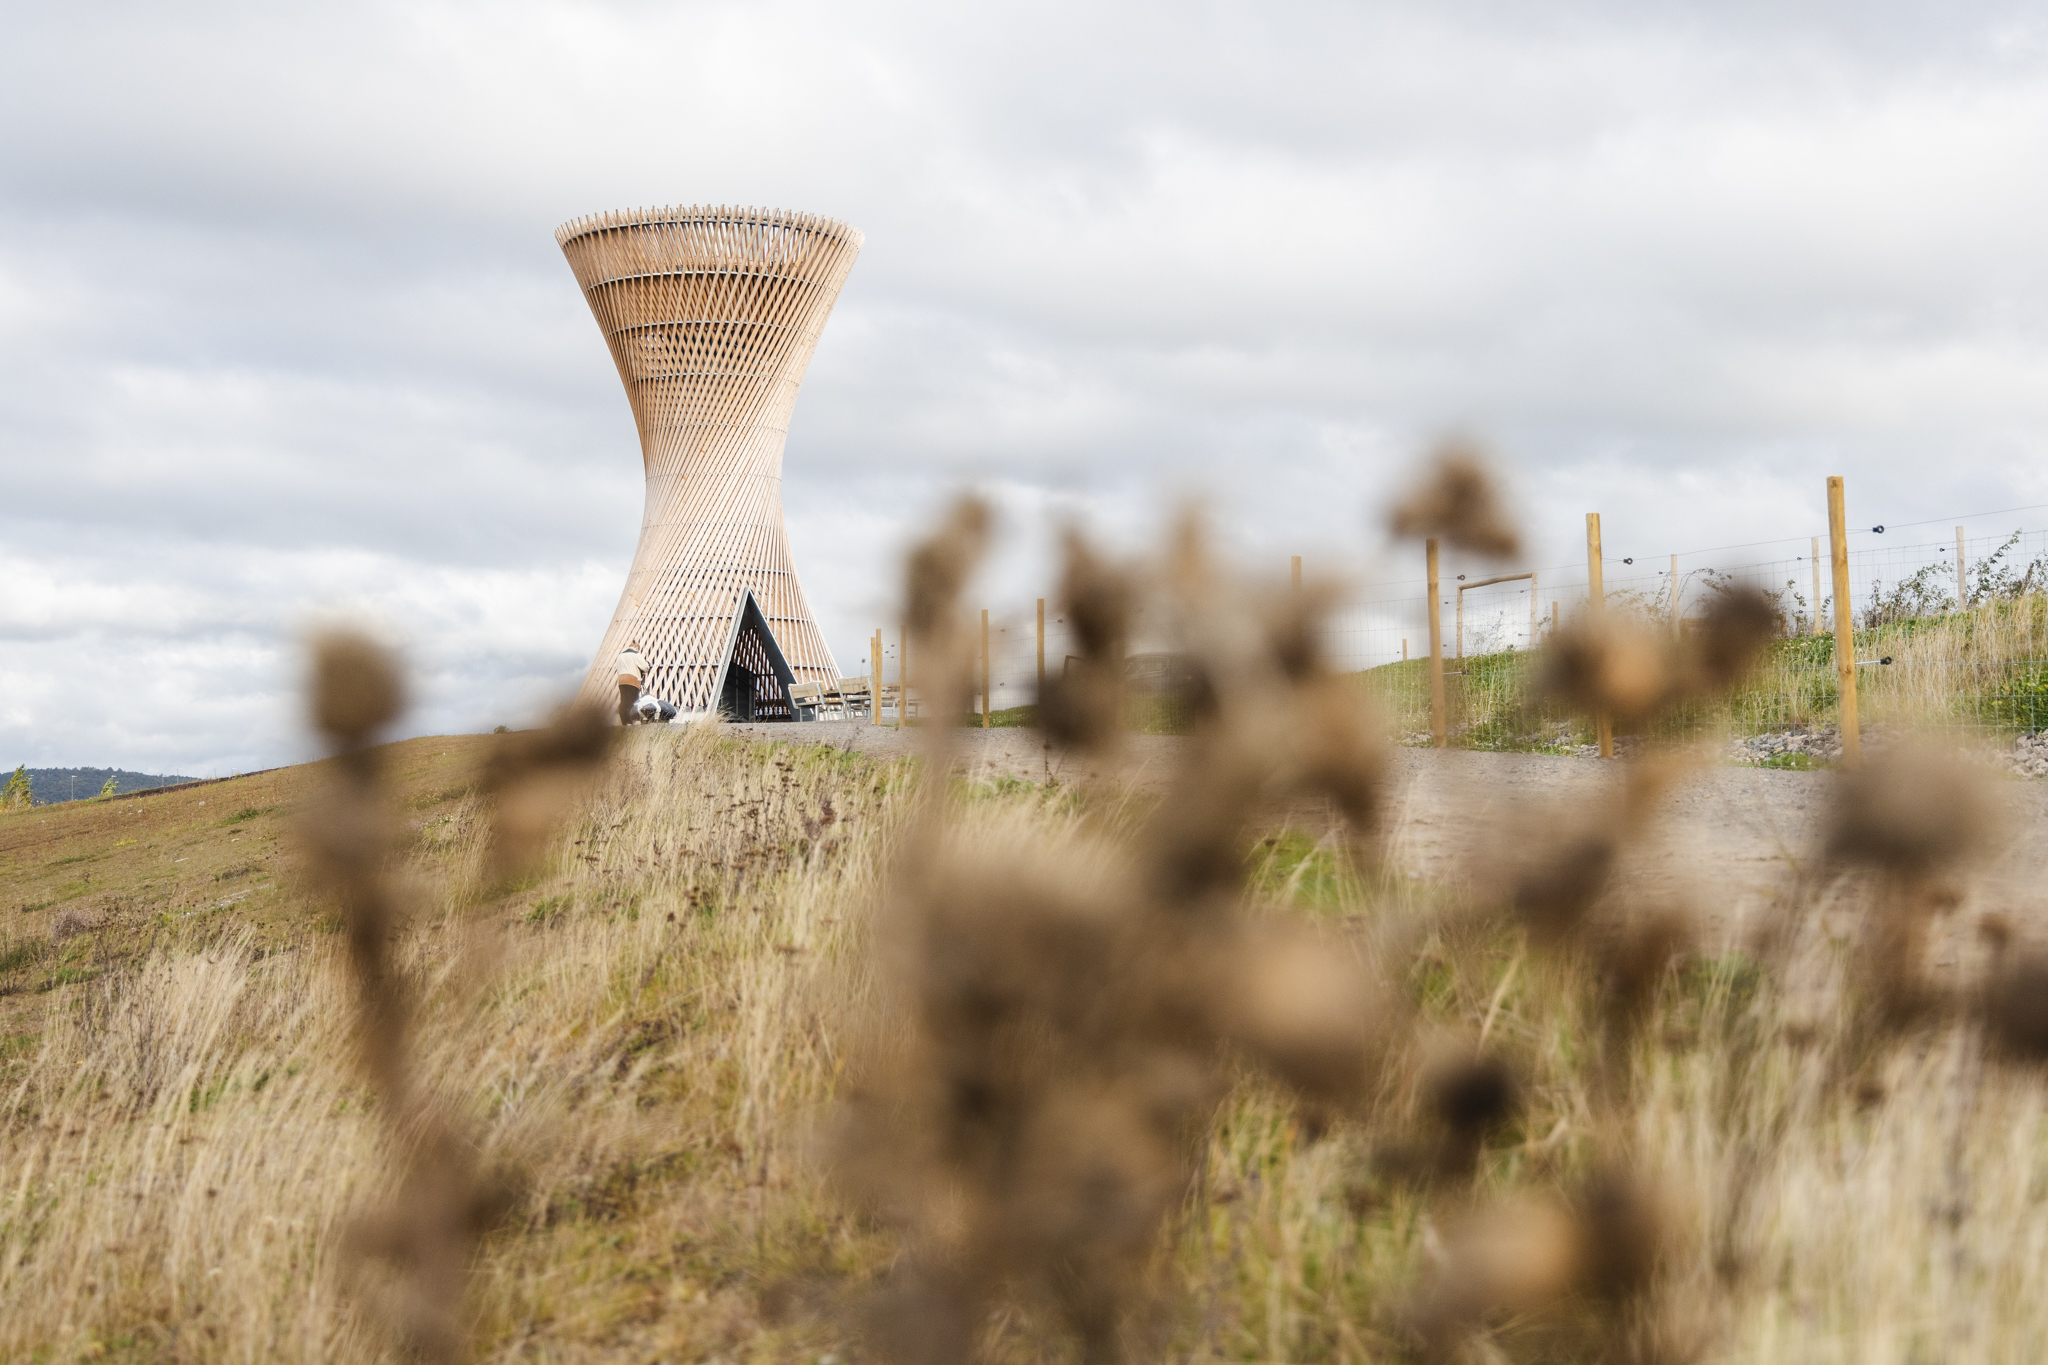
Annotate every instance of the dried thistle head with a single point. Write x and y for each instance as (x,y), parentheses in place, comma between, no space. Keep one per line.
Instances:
(1625,1228)
(1458,500)
(537,776)
(1473,1096)
(940,567)
(1303,1006)
(1553,897)
(1341,751)
(1098,597)
(355,688)
(1604,663)
(1634,964)
(1914,811)
(1517,1257)
(2015,1006)
(1736,627)
(1556,871)
(1470,1097)
(1082,705)
(1526,1256)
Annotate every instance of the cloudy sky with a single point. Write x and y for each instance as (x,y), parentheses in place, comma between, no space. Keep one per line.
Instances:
(284,330)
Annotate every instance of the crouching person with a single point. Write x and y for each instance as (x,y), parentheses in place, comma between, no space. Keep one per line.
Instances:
(654,711)
(632,670)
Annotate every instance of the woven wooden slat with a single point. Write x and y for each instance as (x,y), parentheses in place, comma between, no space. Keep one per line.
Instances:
(712,315)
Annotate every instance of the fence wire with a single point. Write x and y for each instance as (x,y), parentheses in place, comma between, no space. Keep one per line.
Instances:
(1963,653)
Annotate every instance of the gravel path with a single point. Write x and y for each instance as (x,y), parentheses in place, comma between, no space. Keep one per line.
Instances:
(1722,844)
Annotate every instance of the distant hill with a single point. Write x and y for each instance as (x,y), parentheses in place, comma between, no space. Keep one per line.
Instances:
(54,785)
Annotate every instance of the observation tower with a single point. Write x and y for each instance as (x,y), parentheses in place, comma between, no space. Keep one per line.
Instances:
(712,315)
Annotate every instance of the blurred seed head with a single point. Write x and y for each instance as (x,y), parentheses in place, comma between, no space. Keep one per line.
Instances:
(536,777)
(1635,962)
(1553,899)
(1516,1257)
(1527,1255)
(1913,811)
(1457,500)
(1736,627)
(1098,597)
(1096,1173)
(940,567)
(355,689)
(2016,1005)
(1341,751)
(1303,1006)
(1624,1228)
(1471,1098)
(1082,705)
(1606,663)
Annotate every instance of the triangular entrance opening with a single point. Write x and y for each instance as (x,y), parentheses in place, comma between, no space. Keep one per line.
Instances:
(754,683)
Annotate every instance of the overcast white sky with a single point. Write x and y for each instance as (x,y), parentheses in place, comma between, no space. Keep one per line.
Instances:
(284,329)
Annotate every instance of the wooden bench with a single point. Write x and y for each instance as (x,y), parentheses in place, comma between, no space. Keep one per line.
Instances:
(807,697)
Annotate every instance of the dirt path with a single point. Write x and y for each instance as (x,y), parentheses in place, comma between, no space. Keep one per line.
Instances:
(1721,844)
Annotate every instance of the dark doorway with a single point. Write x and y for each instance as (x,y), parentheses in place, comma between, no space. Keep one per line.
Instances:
(737,702)
(757,679)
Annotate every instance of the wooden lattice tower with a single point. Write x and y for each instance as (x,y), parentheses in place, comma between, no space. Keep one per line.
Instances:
(712,315)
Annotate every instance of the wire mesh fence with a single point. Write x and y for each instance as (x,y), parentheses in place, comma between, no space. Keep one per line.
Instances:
(1950,632)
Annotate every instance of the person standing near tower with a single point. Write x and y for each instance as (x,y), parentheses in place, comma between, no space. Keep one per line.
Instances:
(632,671)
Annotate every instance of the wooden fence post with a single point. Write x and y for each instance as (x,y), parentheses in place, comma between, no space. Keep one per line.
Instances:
(986,721)
(1845,623)
(1438,722)
(875,678)
(1816,587)
(1532,609)
(1404,649)
(1040,697)
(1962,584)
(1553,616)
(1596,606)
(1460,655)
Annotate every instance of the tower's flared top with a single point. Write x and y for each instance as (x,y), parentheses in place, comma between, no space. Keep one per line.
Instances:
(667,241)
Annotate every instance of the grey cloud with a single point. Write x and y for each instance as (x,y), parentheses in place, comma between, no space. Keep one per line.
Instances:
(286,327)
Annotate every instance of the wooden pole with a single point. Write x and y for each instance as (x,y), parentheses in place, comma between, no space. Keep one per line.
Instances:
(1677,628)
(1439,727)
(1816,587)
(1553,616)
(1845,623)
(1404,649)
(1041,650)
(875,678)
(1962,584)
(1461,621)
(985,719)
(1532,609)
(1596,607)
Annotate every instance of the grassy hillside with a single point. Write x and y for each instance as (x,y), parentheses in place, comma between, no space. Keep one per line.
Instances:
(55,785)
(646,1041)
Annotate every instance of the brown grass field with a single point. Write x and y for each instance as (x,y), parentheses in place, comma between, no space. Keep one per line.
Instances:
(667,1012)
(687,1047)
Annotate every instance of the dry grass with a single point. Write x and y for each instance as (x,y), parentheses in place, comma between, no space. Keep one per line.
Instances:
(188,1140)
(661,1042)
(772,1052)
